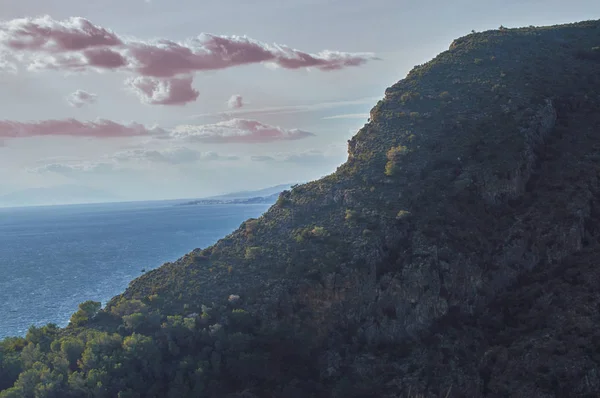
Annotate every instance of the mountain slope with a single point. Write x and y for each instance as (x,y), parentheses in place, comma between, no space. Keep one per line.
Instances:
(453,254)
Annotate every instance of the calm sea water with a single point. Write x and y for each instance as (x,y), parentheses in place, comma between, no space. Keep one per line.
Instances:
(53,258)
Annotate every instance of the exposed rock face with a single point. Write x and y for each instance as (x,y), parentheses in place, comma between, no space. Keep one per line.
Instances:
(500,177)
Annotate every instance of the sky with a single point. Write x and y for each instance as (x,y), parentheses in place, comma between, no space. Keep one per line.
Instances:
(156,99)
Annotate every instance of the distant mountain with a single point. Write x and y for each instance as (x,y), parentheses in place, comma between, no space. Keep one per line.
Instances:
(265,195)
(252,194)
(56,195)
(270,199)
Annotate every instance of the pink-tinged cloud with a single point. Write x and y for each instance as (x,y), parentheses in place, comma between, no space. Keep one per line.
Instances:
(99,58)
(104,58)
(101,128)
(80,98)
(240,131)
(325,60)
(166,58)
(167,91)
(76,43)
(235,102)
(49,35)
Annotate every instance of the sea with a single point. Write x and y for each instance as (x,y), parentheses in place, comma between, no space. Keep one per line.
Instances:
(53,258)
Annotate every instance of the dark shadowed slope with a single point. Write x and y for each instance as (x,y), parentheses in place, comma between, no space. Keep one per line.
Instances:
(453,254)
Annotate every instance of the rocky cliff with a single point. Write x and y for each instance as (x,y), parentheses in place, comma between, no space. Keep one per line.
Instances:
(453,254)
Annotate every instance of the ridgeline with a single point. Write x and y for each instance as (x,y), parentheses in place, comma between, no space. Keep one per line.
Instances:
(455,254)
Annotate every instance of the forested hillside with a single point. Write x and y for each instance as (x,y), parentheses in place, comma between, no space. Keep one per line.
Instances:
(454,254)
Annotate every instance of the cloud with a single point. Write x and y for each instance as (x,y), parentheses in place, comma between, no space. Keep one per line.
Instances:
(166,58)
(348,116)
(332,154)
(101,128)
(311,156)
(7,63)
(242,131)
(262,158)
(69,168)
(277,110)
(168,91)
(175,155)
(237,131)
(235,102)
(80,98)
(76,44)
(52,36)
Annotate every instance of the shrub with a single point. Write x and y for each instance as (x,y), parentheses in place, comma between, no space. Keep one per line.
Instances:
(409,96)
(445,95)
(393,156)
(402,214)
(87,310)
(128,307)
(251,225)
(283,199)
(300,235)
(252,252)
(351,215)
(319,232)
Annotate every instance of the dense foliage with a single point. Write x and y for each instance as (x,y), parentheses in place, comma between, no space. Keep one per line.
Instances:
(440,260)
(218,351)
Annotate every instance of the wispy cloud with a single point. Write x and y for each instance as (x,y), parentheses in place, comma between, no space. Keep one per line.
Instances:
(348,116)
(76,44)
(272,110)
(80,98)
(308,157)
(79,167)
(237,131)
(311,156)
(135,159)
(242,131)
(262,158)
(101,128)
(175,155)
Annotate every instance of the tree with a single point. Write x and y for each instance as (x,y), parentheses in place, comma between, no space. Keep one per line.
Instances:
(87,310)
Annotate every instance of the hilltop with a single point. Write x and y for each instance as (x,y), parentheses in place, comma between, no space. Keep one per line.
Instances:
(454,254)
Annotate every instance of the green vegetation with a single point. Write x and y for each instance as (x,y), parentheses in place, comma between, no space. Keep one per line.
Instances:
(454,254)
(86,311)
(311,232)
(394,155)
(351,215)
(176,357)
(402,214)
